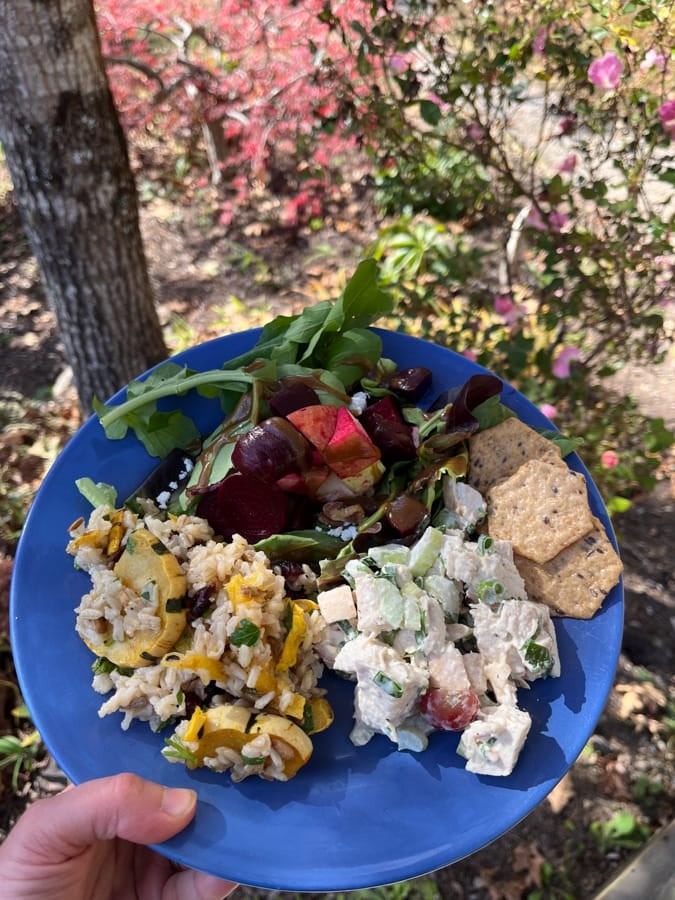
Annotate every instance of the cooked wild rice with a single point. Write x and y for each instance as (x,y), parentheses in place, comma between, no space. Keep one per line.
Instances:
(205,668)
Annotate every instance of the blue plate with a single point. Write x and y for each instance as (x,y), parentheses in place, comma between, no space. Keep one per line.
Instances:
(352,817)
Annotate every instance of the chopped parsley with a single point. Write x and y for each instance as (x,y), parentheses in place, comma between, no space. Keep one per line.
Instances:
(537,657)
(246,633)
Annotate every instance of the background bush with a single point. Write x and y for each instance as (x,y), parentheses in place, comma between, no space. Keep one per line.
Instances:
(521,158)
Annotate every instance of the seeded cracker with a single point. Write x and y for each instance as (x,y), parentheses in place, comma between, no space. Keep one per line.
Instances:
(541,509)
(498,452)
(577,580)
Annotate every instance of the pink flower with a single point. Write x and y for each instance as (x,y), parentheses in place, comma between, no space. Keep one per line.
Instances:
(504,306)
(606,71)
(476,132)
(568,124)
(539,42)
(609,459)
(653,59)
(557,220)
(441,104)
(561,364)
(548,410)
(667,116)
(398,63)
(534,219)
(470,354)
(568,164)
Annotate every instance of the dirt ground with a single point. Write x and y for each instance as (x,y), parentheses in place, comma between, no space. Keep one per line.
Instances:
(207,284)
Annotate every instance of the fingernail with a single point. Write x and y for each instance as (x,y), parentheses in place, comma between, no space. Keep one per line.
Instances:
(178,801)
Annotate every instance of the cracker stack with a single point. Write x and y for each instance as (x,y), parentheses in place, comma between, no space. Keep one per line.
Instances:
(541,506)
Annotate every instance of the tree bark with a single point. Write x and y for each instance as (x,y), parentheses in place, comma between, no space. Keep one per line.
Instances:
(68,160)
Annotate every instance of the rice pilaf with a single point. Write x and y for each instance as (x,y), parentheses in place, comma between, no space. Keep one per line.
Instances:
(241,644)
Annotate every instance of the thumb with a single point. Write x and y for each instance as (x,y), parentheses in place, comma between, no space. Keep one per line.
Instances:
(123,806)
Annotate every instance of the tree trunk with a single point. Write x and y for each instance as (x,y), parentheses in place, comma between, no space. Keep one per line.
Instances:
(68,160)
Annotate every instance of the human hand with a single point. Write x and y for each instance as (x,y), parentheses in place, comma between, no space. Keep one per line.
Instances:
(89,842)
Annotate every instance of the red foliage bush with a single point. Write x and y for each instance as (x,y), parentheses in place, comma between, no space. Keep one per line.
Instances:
(258,78)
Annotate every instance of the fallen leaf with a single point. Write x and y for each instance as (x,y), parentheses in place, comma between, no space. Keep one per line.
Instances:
(561,794)
(639,697)
(527,858)
(499,888)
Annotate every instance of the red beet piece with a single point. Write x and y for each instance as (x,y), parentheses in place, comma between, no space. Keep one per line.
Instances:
(270,450)
(405,514)
(293,394)
(411,384)
(388,431)
(247,506)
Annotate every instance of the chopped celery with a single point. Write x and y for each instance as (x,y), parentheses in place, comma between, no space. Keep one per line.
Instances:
(446,592)
(410,738)
(389,554)
(412,614)
(423,555)
(391,601)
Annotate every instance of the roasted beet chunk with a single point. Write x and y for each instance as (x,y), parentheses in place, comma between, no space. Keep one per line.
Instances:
(411,384)
(388,431)
(270,450)
(406,514)
(247,506)
(293,394)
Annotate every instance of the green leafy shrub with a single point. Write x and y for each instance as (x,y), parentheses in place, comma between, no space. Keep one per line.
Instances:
(524,159)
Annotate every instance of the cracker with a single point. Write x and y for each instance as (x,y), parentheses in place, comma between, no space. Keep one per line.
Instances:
(541,509)
(498,452)
(577,580)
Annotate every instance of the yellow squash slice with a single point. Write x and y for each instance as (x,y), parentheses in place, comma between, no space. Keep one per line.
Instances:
(232,727)
(146,563)
(322,715)
(294,638)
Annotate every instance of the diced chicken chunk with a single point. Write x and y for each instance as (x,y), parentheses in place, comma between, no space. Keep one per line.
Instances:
(519,634)
(446,670)
(492,743)
(465,501)
(337,604)
(387,686)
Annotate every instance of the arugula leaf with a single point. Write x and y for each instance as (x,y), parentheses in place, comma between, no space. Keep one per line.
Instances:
(305,546)
(322,333)
(353,353)
(162,432)
(136,412)
(362,302)
(491,412)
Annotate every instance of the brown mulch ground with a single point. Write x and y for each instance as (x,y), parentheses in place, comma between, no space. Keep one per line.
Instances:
(208,283)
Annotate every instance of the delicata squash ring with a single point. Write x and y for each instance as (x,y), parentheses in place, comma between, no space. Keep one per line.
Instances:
(233,727)
(147,565)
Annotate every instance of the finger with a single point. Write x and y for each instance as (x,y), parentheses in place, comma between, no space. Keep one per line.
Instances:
(124,806)
(192,885)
